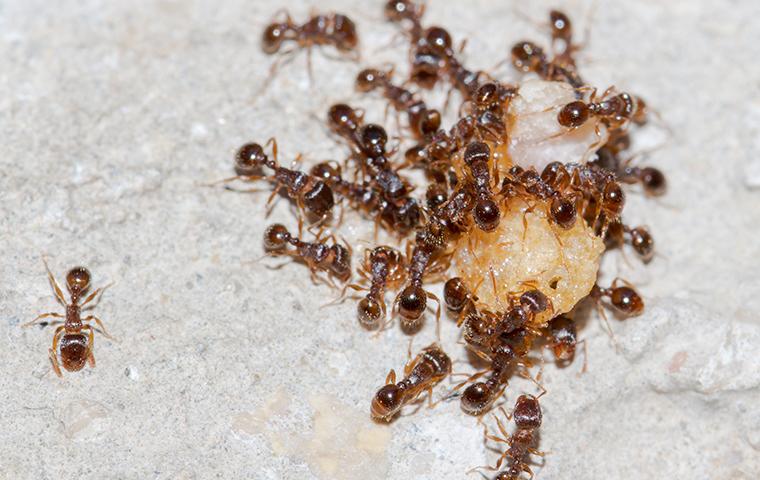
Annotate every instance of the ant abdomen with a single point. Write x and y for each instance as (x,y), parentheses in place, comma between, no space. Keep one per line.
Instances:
(319,199)
(627,300)
(412,302)
(74,351)
(386,402)
(476,398)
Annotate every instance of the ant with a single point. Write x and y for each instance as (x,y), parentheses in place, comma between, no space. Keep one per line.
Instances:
(652,180)
(528,416)
(383,267)
(421,374)
(625,299)
(478,397)
(321,29)
(368,142)
(423,121)
(529,57)
(75,347)
(486,213)
(334,259)
(615,111)
(309,192)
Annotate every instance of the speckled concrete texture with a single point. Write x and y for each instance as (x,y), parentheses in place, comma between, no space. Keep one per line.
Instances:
(115,114)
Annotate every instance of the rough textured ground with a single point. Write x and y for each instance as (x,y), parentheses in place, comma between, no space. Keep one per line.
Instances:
(114,113)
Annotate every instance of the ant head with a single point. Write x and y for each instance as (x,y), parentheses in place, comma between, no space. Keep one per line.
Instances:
(326,171)
(373,138)
(439,39)
(527,413)
(429,122)
(487,215)
(249,158)
(476,398)
(341,263)
(574,114)
(370,312)
(653,181)
(319,200)
(627,301)
(387,402)
(272,38)
(613,198)
(563,212)
(344,33)
(642,242)
(455,294)
(561,26)
(78,280)
(369,79)
(527,56)
(412,302)
(512,473)
(276,237)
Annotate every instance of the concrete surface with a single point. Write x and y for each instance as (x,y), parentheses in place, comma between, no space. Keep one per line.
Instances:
(115,113)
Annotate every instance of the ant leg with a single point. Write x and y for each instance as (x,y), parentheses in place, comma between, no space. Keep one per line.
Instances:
(53,351)
(97,293)
(54,283)
(91,318)
(437,314)
(607,323)
(391,378)
(309,68)
(284,58)
(90,346)
(585,357)
(41,316)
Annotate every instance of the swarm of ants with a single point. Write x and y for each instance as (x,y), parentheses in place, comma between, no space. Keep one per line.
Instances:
(472,190)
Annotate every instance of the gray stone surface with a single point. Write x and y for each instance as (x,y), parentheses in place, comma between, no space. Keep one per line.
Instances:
(115,113)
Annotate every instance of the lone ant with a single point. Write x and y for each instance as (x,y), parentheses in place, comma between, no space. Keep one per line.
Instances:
(310,193)
(335,259)
(321,29)
(76,348)
(527,416)
(421,374)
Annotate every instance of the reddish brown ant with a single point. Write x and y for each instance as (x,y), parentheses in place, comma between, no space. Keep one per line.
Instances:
(383,267)
(486,213)
(422,120)
(335,259)
(310,193)
(321,29)
(615,111)
(528,416)
(76,348)
(420,375)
